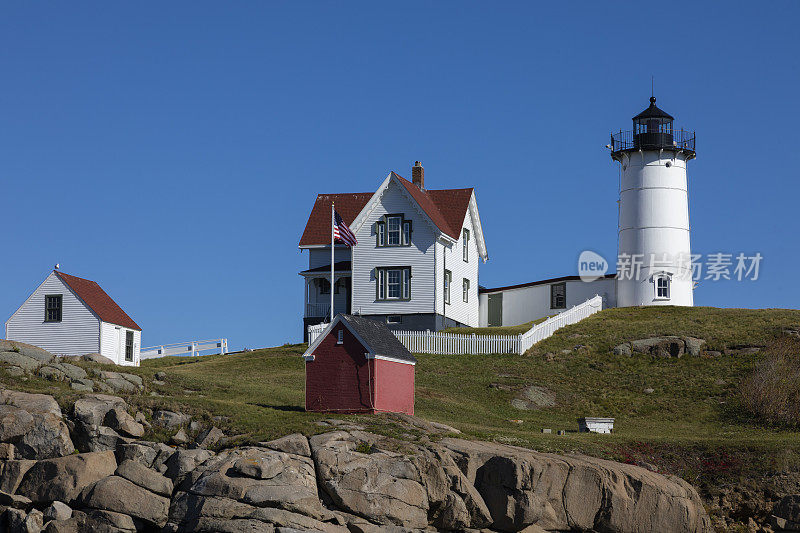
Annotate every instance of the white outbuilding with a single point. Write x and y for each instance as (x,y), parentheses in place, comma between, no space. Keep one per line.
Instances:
(68,315)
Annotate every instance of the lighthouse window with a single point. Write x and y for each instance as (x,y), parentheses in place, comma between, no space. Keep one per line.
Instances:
(662,287)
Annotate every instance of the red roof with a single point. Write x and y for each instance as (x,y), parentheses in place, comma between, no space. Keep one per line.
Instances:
(98,301)
(445,207)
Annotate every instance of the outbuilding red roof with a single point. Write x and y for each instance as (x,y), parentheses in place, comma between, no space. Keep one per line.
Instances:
(98,301)
(445,207)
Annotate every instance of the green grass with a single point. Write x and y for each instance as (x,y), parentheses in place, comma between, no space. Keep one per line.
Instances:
(502,330)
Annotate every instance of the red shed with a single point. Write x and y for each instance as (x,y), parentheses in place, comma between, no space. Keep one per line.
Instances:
(357,365)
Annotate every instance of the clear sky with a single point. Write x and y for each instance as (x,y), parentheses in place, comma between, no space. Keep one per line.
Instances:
(172,151)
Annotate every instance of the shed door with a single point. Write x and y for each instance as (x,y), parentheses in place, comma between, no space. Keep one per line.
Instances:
(496,309)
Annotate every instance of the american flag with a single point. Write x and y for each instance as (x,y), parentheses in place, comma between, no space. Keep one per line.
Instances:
(341,231)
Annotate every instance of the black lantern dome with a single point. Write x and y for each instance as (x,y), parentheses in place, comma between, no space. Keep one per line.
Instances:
(652,130)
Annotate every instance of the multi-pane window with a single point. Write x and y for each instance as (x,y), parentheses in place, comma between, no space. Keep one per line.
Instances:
(393,230)
(662,287)
(465,244)
(340,336)
(558,296)
(394,283)
(448,279)
(393,225)
(324,286)
(129,346)
(52,307)
(465,290)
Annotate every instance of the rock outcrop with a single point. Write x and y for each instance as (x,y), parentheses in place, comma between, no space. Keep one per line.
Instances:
(345,480)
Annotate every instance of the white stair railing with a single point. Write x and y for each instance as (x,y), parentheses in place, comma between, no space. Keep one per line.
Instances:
(459,344)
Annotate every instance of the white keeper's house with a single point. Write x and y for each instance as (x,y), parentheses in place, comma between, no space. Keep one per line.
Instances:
(68,315)
(415,266)
(416,262)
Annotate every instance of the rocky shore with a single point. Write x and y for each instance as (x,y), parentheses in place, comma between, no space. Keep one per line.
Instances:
(87,469)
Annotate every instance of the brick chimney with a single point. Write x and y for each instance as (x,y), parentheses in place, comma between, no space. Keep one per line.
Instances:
(418,175)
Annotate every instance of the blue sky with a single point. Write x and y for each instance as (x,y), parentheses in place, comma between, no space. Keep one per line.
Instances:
(172,151)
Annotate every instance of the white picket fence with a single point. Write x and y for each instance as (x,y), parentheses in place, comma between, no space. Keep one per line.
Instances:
(185,348)
(457,344)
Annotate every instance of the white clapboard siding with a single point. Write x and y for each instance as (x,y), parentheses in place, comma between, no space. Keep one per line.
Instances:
(452,259)
(113,344)
(457,344)
(78,332)
(419,256)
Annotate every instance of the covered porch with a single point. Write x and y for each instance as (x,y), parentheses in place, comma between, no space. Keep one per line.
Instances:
(317,292)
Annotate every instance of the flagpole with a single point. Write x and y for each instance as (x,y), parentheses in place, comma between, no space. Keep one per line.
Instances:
(333,221)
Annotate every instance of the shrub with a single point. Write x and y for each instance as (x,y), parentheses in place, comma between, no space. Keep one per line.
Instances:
(772,390)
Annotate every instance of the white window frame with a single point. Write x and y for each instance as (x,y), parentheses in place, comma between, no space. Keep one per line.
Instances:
(448,281)
(465,244)
(382,278)
(665,292)
(340,336)
(398,231)
(465,290)
(393,227)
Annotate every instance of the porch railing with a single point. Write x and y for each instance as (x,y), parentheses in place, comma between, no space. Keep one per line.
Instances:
(318,309)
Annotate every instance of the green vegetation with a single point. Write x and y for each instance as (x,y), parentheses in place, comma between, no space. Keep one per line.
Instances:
(504,330)
(694,422)
(772,391)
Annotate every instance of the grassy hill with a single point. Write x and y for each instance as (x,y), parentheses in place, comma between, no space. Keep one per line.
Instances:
(691,423)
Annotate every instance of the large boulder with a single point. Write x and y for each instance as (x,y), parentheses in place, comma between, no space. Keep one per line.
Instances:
(14,422)
(119,495)
(63,478)
(49,435)
(145,477)
(17,360)
(395,489)
(28,350)
(522,487)
(99,420)
(12,472)
(170,419)
(97,358)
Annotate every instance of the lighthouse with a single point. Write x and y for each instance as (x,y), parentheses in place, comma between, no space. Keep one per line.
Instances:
(654,261)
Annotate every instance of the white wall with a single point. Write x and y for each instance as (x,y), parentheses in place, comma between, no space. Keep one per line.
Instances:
(78,332)
(419,256)
(654,222)
(532,303)
(113,344)
(451,258)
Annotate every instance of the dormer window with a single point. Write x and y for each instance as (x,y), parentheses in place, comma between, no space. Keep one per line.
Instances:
(393,230)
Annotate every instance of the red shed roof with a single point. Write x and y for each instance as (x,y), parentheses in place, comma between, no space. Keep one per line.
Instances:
(98,301)
(445,207)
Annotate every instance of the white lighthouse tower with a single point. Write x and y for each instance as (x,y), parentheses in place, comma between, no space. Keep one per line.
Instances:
(654,264)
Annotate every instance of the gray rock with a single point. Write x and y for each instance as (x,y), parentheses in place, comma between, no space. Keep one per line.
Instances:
(161,376)
(623,349)
(120,385)
(27,350)
(118,495)
(64,478)
(120,420)
(534,397)
(20,522)
(296,443)
(693,345)
(83,385)
(33,403)
(14,422)
(648,391)
(57,511)
(49,435)
(788,508)
(132,378)
(12,472)
(28,364)
(180,438)
(667,346)
(98,520)
(17,501)
(97,358)
(52,373)
(7,450)
(144,477)
(170,419)
(91,410)
(182,462)
(211,436)
(15,371)
(70,370)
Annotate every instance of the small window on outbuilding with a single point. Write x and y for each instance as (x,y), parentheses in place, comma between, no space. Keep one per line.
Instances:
(129,346)
(558,296)
(340,336)
(52,307)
